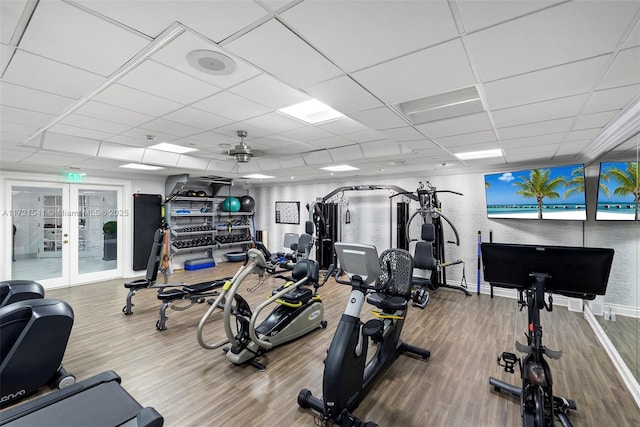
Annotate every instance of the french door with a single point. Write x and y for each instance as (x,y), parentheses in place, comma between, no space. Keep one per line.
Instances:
(65,234)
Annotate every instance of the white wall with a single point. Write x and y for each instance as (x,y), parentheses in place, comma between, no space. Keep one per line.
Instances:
(370,224)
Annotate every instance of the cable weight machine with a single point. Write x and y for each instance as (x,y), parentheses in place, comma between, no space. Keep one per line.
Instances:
(430,212)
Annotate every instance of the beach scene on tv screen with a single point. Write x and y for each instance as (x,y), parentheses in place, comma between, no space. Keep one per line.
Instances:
(545,193)
(618,191)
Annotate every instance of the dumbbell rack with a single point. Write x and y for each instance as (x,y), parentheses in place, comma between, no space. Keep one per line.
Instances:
(192,224)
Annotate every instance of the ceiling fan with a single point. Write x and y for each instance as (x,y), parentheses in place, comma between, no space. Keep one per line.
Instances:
(242,152)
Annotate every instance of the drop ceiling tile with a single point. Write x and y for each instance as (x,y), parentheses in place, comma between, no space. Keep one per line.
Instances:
(319,157)
(295,161)
(25,117)
(347,153)
(192,162)
(232,131)
(40,73)
(306,134)
(5,55)
(550,37)
(431,71)
(220,165)
(10,13)
(539,111)
(280,52)
(12,155)
(211,139)
(138,137)
(98,164)
(110,113)
(379,118)
(275,122)
(268,164)
(66,33)
(153,78)
(595,120)
(382,148)
(532,141)
(174,55)
(466,139)
(267,91)
(332,141)
(157,157)
(405,133)
(456,125)
(216,20)
(419,145)
(571,148)
(78,131)
(197,118)
(54,160)
(578,135)
(556,82)
(366,33)
(247,168)
(120,152)
(92,123)
(476,15)
(34,100)
(475,147)
(16,132)
(610,99)
(343,94)
(365,136)
(538,128)
(634,37)
(169,127)
(341,126)
(231,106)
(71,144)
(132,99)
(625,69)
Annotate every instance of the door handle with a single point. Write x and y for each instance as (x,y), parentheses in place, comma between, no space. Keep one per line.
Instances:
(65,241)
(65,235)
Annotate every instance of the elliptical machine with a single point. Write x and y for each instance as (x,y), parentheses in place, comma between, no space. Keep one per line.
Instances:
(347,377)
(299,310)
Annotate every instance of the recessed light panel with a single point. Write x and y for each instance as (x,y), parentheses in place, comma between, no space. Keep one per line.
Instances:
(485,154)
(141,166)
(340,168)
(312,111)
(172,148)
(258,176)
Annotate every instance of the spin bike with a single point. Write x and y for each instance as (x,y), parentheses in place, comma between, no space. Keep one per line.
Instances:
(347,376)
(534,270)
(298,311)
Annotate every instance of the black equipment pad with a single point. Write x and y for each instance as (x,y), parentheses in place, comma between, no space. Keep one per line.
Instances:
(98,401)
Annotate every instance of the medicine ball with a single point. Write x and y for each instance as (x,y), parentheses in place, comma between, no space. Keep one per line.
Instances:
(247,203)
(231,204)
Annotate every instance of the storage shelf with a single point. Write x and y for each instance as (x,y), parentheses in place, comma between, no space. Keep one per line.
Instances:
(187,215)
(191,233)
(191,249)
(197,199)
(224,213)
(228,245)
(234,227)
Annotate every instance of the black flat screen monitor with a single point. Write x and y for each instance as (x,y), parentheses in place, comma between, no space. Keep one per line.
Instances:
(575,272)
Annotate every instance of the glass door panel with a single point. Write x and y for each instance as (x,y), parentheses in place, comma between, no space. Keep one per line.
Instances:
(40,242)
(96,231)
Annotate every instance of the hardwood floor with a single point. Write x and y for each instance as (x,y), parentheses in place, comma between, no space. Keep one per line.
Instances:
(191,386)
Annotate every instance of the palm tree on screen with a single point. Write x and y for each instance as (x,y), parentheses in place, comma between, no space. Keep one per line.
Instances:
(628,183)
(538,185)
(576,184)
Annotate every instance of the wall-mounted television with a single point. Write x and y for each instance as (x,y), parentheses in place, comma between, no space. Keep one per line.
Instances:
(618,192)
(543,193)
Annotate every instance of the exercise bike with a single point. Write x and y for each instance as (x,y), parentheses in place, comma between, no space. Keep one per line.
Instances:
(299,310)
(347,375)
(534,270)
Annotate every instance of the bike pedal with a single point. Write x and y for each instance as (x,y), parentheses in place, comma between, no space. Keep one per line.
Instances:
(509,360)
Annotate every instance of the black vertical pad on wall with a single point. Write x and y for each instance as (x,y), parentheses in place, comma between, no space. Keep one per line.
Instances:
(147,216)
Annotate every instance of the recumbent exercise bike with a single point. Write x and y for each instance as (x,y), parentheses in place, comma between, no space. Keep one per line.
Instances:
(533,270)
(386,284)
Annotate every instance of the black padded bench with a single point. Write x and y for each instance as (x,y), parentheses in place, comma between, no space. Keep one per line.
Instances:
(196,294)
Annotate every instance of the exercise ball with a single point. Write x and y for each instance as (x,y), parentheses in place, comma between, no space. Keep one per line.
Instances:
(247,203)
(231,204)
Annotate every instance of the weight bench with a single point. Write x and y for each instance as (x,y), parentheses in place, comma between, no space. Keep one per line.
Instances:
(195,294)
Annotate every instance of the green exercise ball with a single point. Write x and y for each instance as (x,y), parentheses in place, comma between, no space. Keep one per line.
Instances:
(231,204)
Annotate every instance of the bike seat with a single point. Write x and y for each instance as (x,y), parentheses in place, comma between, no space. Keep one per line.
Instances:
(386,302)
(138,284)
(295,296)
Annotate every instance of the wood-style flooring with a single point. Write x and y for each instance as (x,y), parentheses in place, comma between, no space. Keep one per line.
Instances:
(191,386)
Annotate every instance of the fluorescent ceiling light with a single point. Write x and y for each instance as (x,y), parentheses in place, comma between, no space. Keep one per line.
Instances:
(340,168)
(173,148)
(442,106)
(485,154)
(258,176)
(312,111)
(141,167)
